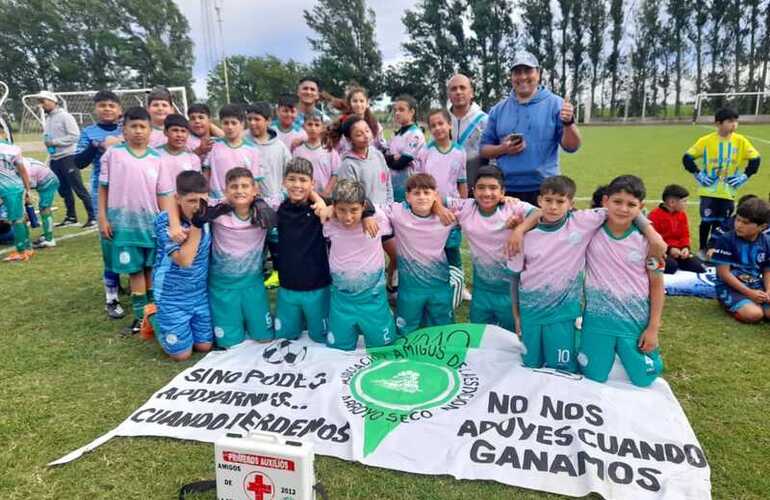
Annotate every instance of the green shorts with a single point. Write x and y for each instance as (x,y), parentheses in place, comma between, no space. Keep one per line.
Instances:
(597,355)
(368,314)
(492,307)
(13,200)
(419,307)
(46,193)
(237,313)
(296,310)
(551,345)
(126,259)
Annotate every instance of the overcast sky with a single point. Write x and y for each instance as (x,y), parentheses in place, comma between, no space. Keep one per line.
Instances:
(277,27)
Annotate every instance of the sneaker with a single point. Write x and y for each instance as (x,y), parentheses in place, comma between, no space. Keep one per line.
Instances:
(89,224)
(273,281)
(17,257)
(43,243)
(37,241)
(67,222)
(146,331)
(136,326)
(114,310)
(29,253)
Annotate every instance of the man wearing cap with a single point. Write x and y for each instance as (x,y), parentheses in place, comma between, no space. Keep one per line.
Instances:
(468,122)
(60,135)
(525,130)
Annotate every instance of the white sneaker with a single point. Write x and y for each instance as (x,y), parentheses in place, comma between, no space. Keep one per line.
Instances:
(467,297)
(44,243)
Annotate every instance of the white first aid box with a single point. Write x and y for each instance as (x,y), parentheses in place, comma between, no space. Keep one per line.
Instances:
(263,466)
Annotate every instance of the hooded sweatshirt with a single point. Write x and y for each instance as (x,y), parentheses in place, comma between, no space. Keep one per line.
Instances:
(274,155)
(467,132)
(538,120)
(372,172)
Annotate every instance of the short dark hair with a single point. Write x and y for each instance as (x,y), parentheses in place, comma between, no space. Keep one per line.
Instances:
(288,100)
(159,93)
(755,210)
(598,196)
(490,172)
(675,191)
(409,100)
(313,116)
(310,78)
(439,111)
(300,166)
(190,181)
(199,107)
(238,173)
(559,184)
(723,114)
(349,191)
(106,95)
(261,108)
(175,120)
(347,125)
(745,197)
(630,184)
(420,181)
(136,113)
(231,111)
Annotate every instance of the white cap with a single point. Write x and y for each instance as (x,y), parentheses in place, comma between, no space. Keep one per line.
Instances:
(524,58)
(46,94)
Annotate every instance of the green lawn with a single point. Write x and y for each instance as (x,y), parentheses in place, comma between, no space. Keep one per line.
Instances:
(69,375)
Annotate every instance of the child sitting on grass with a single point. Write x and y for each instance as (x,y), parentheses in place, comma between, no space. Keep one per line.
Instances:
(670,221)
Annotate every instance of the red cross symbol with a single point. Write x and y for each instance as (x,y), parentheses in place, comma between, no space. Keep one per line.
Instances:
(259,487)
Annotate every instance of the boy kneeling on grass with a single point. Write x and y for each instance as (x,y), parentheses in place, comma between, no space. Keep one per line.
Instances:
(180,317)
(742,257)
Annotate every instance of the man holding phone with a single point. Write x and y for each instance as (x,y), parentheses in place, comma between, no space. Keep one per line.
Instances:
(525,130)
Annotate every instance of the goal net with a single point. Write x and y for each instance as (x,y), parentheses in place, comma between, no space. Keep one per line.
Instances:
(747,104)
(81,106)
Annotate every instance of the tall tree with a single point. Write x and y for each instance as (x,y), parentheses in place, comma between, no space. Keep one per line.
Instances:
(346,44)
(492,26)
(753,8)
(400,79)
(717,43)
(538,20)
(577,46)
(697,37)
(613,62)
(565,7)
(597,25)
(737,34)
(643,64)
(679,13)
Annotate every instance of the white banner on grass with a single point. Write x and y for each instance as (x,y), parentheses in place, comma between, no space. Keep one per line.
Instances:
(446,400)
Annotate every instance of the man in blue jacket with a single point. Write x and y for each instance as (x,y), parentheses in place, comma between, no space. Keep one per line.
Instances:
(525,130)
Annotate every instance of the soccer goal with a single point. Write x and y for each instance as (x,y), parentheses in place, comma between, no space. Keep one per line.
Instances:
(81,105)
(746,103)
(4,119)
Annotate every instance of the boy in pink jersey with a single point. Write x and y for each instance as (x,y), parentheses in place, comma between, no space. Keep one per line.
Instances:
(484,220)
(128,204)
(229,152)
(44,181)
(403,147)
(325,162)
(14,191)
(289,132)
(359,301)
(159,106)
(552,267)
(239,306)
(175,158)
(624,298)
(423,270)
(202,130)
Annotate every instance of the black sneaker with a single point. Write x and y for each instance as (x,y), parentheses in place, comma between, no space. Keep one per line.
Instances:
(89,224)
(67,222)
(114,310)
(136,326)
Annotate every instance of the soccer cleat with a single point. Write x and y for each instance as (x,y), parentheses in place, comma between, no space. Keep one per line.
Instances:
(17,257)
(114,310)
(29,253)
(67,222)
(136,326)
(89,224)
(273,281)
(44,243)
(37,241)
(146,331)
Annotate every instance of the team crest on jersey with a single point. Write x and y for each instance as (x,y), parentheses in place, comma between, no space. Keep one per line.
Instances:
(634,256)
(574,238)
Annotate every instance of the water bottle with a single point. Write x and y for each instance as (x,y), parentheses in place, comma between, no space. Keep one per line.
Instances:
(51,149)
(31,215)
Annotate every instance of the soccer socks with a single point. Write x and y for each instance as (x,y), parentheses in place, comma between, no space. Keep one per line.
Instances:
(47,220)
(138,301)
(703,234)
(20,236)
(150,296)
(111,282)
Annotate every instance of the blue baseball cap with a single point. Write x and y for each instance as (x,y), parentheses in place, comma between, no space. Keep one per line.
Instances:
(524,58)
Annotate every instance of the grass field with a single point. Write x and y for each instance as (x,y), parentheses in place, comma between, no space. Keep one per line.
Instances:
(70,377)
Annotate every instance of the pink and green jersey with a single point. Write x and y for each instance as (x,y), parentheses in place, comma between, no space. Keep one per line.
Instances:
(617,285)
(357,261)
(171,165)
(408,141)
(157,137)
(420,241)
(132,194)
(10,156)
(447,167)
(487,235)
(224,157)
(552,265)
(287,137)
(325,163)
(40,176)
(236,252)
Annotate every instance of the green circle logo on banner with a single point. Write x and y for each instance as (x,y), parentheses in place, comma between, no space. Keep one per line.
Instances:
(405,385)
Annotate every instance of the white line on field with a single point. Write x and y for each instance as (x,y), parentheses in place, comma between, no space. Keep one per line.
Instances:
(746,135)
(60,238)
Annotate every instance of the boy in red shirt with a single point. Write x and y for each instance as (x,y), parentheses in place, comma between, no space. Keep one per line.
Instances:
(670,220)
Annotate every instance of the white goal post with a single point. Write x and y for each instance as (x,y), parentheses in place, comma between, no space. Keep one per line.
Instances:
(80,105)
(3,117)
(699,98)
